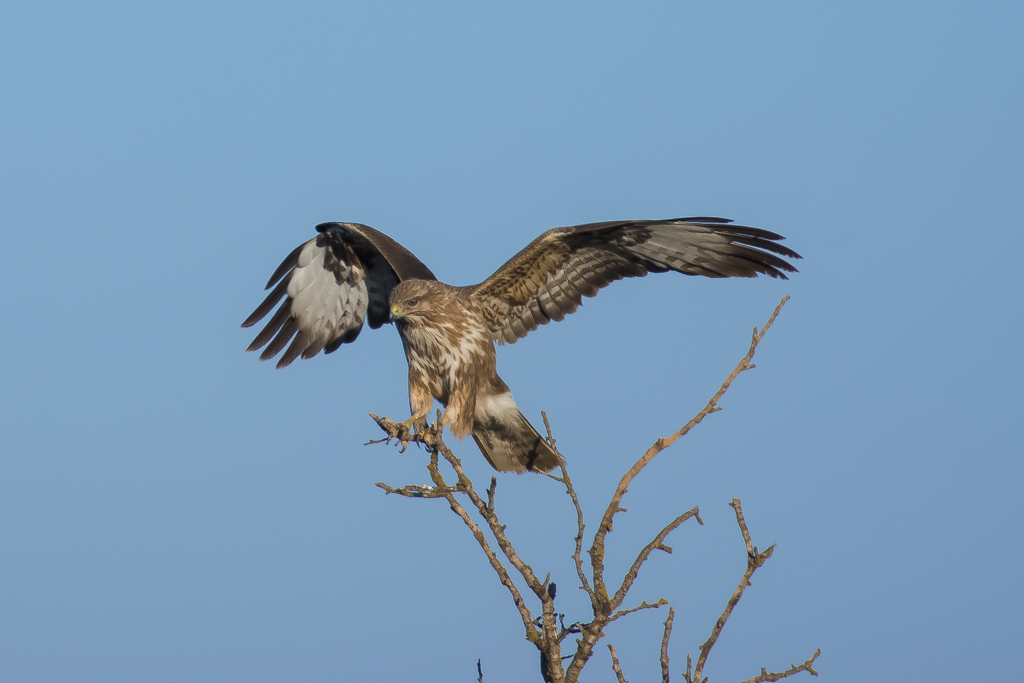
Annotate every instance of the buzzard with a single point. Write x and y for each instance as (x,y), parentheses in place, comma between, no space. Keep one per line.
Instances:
(350,273)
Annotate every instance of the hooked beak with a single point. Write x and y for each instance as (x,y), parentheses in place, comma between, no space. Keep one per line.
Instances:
(396,313)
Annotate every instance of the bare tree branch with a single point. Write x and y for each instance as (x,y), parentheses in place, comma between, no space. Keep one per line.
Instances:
(566,481)
(416,490)
(567,630)
(742,522)
(548,631)
(664,644)
(754,561)
(603,603)
(577,554)
(656,544)
(548,641)
(597,550)
(793,668)
(615,665)
(448,493)
(490,493)
(547,638)
(643,605)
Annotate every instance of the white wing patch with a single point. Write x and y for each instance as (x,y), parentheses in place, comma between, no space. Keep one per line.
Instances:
(325,306)
(327,301)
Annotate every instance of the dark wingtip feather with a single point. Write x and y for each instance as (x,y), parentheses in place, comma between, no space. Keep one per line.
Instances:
(334,345)
(347,337)
(290,261)
(764,243)
(268,304)
(700,219)
(284,335)
(280,318)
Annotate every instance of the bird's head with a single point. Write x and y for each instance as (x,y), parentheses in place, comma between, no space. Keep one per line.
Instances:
(413,300)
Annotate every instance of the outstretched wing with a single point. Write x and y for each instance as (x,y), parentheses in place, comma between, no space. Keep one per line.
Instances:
(548,279)
(332,283)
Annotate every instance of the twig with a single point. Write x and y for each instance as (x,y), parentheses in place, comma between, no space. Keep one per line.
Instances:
(490,493)
(580,526)
(416,490)
(566,631)
(643,605)
(547,426)
(754,561)
(664,644)
(604,604)
(615,665)
(742,522)
(807,666)
(597,549)
(656,544)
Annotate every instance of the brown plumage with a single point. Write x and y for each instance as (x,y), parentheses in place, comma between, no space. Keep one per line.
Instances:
(351,272)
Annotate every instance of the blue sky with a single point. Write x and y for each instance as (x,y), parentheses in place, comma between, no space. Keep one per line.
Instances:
(172,509)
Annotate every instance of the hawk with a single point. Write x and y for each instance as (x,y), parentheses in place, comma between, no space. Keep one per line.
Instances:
(350,274)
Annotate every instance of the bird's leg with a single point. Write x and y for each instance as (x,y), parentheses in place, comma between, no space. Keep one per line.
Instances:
(458,414)
(420,400)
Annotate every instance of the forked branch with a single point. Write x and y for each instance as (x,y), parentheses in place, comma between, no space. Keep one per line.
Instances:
(597,550)
(605,604)
(548,631)
(755,560)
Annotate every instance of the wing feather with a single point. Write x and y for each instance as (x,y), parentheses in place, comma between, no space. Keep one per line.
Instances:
(553,273)
(331,284)
(267,306)
(290,261)
(284,335)
(272,328)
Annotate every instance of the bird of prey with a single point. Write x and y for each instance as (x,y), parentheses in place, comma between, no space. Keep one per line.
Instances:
(350,273)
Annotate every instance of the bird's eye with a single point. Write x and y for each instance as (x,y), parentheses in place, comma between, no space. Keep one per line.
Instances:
(413,302)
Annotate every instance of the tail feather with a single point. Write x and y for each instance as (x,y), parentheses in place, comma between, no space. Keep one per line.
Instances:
(508,440)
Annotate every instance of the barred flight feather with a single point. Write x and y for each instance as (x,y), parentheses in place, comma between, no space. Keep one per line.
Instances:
(350,273)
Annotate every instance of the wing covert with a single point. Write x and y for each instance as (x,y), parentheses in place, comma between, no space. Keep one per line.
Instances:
(549,278)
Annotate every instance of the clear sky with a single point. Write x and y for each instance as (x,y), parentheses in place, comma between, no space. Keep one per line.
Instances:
(172,509)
